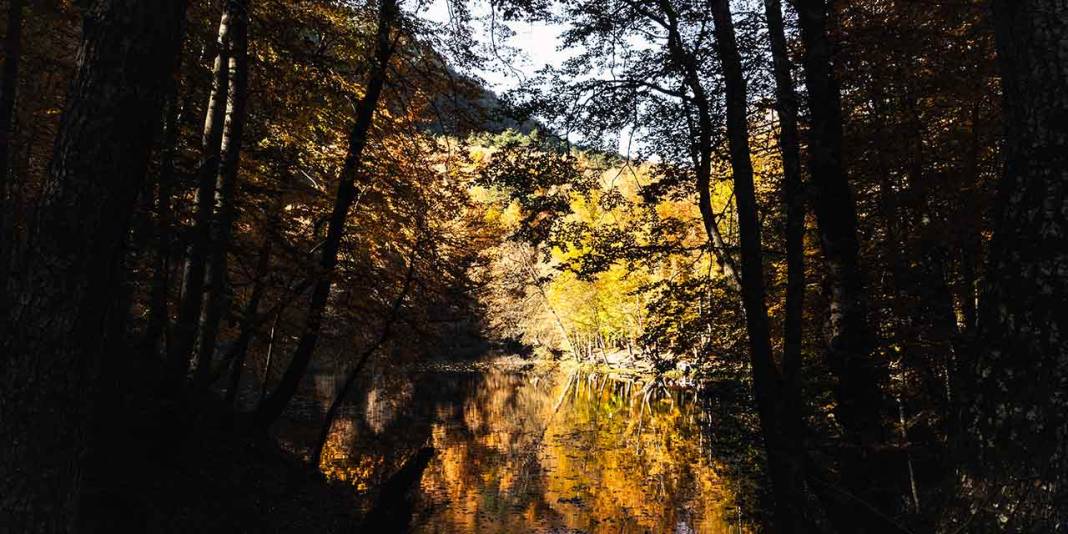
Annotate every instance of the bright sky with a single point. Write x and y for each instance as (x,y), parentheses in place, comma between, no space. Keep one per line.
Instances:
(535,44)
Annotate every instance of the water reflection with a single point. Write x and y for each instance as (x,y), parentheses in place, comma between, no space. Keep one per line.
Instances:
(529,451)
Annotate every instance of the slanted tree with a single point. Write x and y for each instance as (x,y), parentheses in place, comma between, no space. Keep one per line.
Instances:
(192,289)
(215,282)
(276,402)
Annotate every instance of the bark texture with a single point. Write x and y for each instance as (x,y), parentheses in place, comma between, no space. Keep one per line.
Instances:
(52,340)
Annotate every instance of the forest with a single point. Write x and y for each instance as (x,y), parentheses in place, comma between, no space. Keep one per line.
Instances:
(560,266)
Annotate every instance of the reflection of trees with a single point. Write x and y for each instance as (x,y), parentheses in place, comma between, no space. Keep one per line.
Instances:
(520,452)
(630,458)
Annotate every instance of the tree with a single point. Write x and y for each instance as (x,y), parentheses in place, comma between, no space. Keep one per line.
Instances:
(158,309)
(215,274)
(779,416)
(860,400)
(9,82)
(276,402)
(192,294)
(52,338)
(786,104)
(686,61)
(9,77)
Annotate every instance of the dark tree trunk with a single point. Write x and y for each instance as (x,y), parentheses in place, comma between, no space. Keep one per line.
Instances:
(785,461)
(215,283)
(276,402)
(192,294)
(1021,411)
(9,79)
(52,340)
(860,407)
(786,104)
(158,313)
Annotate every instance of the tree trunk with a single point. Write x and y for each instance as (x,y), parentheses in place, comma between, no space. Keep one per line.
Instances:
(9,79)
(274,404)
(860,403)
(269,358)
(216,293)
(52,337)
(786,104)
(785,460)
(1020,410)
(185,328)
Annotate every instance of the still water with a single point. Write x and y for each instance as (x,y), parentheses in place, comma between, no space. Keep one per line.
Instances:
(547,450)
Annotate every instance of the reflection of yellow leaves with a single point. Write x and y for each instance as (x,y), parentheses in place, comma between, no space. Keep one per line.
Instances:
(598,462)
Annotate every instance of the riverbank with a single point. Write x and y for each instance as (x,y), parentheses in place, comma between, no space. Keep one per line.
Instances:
(191,464)
(682,377)
(229,480)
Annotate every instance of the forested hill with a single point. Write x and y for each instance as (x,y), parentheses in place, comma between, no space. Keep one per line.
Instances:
(471,108)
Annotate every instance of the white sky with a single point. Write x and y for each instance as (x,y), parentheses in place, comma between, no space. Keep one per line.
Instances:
(535,44)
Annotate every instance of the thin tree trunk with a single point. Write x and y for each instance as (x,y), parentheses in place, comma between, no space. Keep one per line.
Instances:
(686,63)
(274,404)
(530,265)
(269,358)
(185,328)
(785,460)
(350,379)
(970,243)
(52,340)
(860,407)
(1020,413)
(215,284)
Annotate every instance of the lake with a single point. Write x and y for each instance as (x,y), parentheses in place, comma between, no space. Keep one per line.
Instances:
(522,448)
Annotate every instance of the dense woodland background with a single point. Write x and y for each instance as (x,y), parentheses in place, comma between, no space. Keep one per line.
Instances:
(853,209)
